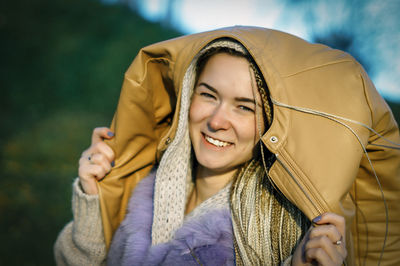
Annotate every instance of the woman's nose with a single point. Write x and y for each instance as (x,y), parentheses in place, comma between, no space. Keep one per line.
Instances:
(219,119)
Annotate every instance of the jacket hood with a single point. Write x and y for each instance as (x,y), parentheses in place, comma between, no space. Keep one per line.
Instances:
(320,96)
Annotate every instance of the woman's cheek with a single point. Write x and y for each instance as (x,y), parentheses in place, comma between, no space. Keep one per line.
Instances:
(193,113)
(246,129)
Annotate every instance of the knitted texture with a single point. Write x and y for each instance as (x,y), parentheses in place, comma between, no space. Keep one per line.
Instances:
(266,225)
(81,242)
(174,172)
(218,201)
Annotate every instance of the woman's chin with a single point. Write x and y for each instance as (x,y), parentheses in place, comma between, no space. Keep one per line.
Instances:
(217,167)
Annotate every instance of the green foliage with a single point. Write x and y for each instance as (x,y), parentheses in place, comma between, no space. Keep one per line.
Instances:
(395,110)
(61,68)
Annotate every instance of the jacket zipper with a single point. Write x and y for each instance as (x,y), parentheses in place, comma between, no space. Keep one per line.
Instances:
(298,184)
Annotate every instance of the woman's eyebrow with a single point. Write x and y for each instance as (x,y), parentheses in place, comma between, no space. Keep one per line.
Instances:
(244,99)
(208,87)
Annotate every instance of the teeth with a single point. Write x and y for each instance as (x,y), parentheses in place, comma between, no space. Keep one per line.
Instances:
(216,142)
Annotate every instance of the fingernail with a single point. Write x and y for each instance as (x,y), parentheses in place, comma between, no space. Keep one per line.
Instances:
(112,163)
(110,134)
(317,219)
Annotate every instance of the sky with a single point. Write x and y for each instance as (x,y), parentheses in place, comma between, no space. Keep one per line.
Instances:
(373,25)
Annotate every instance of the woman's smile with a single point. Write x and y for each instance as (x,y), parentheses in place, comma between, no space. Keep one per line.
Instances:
(216,142)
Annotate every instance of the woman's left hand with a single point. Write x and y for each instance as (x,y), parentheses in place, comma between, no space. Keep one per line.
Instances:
(324,243)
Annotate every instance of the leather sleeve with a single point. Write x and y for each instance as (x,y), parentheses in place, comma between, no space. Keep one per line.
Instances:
(144,109)
(371,217)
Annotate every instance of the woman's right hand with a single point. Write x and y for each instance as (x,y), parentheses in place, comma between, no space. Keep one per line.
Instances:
(96,161)
(324,244)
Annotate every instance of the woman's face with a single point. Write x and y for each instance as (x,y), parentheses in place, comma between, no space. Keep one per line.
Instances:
(222,118)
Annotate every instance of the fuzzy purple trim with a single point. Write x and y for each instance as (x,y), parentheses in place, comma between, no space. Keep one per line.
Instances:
(205,240)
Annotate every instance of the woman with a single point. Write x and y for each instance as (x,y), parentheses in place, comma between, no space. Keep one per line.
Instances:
(302,148)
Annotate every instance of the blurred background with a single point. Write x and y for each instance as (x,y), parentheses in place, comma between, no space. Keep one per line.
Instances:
(61,68)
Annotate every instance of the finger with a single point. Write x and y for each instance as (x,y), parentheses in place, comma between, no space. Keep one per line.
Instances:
(100,159)
(105,150)
(89,186)
(332,235)
(100,133)
(334,219)
(93,171)
(87,157)
(99,147)
(328,230)
(319,255)
(324,243)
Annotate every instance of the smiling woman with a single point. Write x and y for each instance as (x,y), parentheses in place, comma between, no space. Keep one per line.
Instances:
(244,172)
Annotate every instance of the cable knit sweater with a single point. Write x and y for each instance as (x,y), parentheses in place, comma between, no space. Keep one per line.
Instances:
(81,242)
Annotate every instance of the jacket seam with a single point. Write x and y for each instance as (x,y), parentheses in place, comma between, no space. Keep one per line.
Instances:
(316,67)
(367,99)
(152,59)
(315,201)
(151,91)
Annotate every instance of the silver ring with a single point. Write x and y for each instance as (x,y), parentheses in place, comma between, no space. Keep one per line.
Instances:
(339,242)
(90,158)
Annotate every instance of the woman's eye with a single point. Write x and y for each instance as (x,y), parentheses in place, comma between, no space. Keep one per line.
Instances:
(207,95)
(245,108)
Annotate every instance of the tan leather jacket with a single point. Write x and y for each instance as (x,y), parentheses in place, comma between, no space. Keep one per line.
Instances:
(321,165)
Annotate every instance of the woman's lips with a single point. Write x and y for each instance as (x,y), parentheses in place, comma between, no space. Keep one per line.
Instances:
(216,142)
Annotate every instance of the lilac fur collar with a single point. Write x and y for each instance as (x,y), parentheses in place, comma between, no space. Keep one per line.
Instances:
(204,240)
